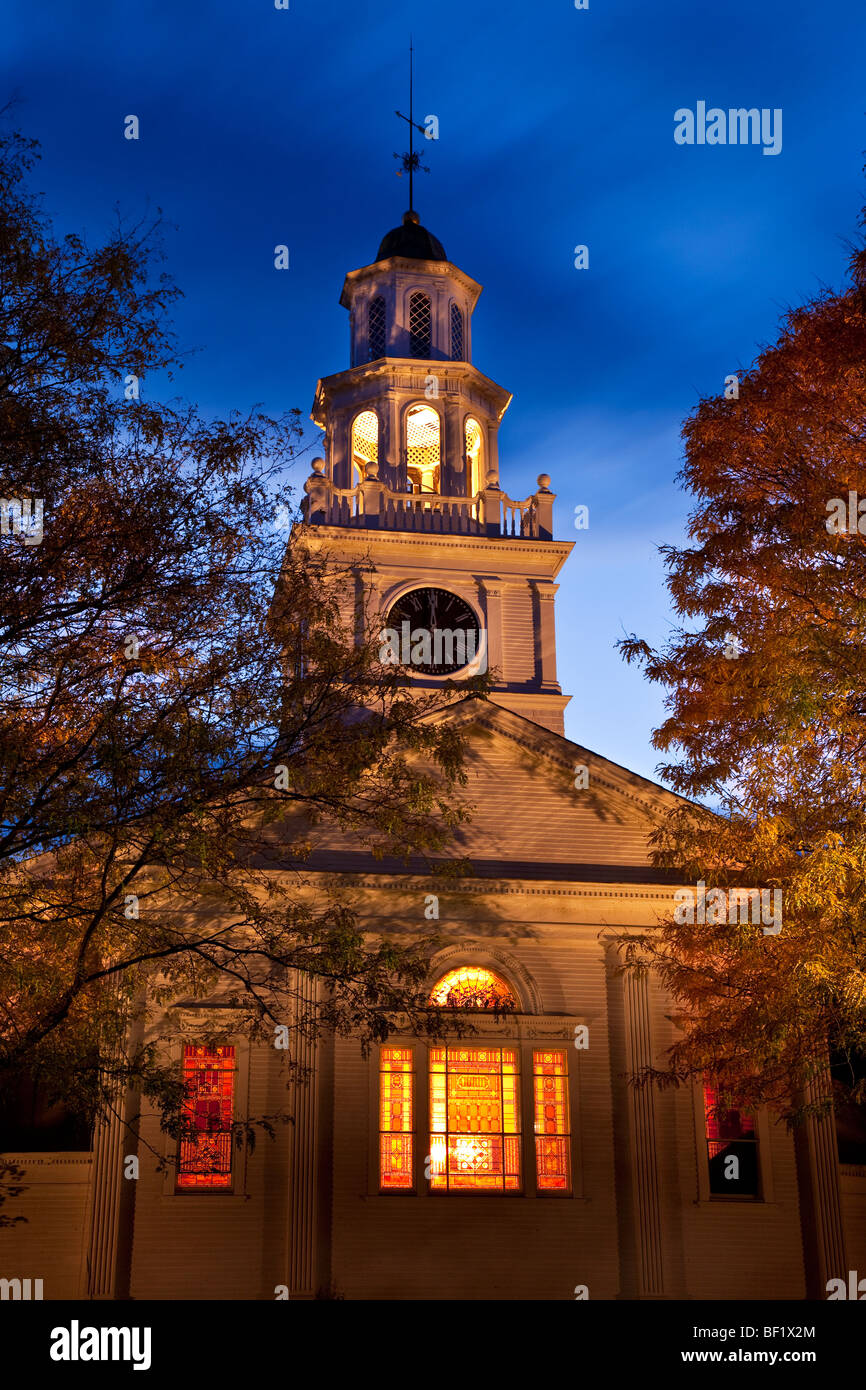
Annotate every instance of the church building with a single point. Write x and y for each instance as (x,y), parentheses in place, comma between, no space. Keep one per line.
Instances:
(515,1161)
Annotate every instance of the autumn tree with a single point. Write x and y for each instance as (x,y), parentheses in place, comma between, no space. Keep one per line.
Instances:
(180,698)
(766,724)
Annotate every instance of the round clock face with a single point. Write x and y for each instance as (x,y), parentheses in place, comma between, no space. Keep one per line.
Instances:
(434,632)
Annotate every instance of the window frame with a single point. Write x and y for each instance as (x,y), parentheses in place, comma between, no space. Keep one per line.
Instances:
(764,1196)
(171,1147)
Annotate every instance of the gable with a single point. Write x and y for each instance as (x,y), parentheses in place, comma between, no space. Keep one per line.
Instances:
(528,818)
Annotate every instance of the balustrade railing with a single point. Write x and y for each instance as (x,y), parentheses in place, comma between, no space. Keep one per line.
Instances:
(371,504)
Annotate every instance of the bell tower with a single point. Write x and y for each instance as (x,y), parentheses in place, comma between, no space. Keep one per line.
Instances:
(410,479)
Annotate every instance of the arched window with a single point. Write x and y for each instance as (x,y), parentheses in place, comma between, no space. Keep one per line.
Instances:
(477,1101)
(422,448)
(376,328)
(365,443)
(473,987)
(472,437)
(419,325)
(456,333)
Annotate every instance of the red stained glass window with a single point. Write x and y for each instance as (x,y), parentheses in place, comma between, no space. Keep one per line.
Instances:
(209,1082)
(552,1123)
(396,1153)
(732,1149)
(474,1119)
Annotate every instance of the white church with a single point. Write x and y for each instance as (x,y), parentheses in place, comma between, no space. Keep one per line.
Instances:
(516,1162)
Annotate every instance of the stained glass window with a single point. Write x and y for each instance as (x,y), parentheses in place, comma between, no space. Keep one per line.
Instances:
(472,987)
(732,1149)
(209,1083)
(474,1119)
(552,1124)
(396,1079)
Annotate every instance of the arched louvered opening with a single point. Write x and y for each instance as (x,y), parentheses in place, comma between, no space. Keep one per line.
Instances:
(423,452)
(474,476)
(365,443)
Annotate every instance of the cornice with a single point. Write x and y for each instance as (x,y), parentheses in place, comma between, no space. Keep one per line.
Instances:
(433,540)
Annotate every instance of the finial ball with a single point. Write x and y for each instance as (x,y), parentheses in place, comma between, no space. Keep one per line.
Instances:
(544,481)
(371,468)
(318,466)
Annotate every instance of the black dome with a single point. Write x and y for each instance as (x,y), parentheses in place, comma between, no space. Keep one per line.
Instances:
(411,240)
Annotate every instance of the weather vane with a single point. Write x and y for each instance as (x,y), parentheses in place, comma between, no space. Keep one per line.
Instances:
(410,161)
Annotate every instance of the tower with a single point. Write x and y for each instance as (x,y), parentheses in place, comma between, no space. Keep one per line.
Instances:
(409,485)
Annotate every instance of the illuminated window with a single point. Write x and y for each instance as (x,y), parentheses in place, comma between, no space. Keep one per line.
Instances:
(376,328)
(472,987)
(472,436)
(209,1083)
(552,1126)
(422,448)
(474,1119)
(419,325)
(365,443)
(396,1079)
(732,1149)
(456,334)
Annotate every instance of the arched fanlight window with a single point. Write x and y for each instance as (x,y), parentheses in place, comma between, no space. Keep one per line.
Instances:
(473,987)
(456,333)
(376,328)
(422,448)
(365,442)
(420,320)
(472,437)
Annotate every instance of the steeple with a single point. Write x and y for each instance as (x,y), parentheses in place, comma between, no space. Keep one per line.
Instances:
(412,445)
(411,427)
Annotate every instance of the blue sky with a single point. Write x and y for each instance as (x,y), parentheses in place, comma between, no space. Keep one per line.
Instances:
(261,127)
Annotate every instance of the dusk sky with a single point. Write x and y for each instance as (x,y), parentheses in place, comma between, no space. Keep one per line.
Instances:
(261,126)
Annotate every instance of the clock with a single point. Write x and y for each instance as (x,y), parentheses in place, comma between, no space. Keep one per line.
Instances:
(433,632)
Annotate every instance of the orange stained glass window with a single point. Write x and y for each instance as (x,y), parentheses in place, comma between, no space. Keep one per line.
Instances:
(396,1079)
(552,1125)
(474,1119)
(209,1083)
(472,987)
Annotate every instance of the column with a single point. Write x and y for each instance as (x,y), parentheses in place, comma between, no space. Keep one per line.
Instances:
(644,1162)
(820,1198)
(301,1233)
(493,613)
(545,635)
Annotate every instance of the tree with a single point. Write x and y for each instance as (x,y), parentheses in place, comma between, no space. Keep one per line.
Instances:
(767,719)
(180,697)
